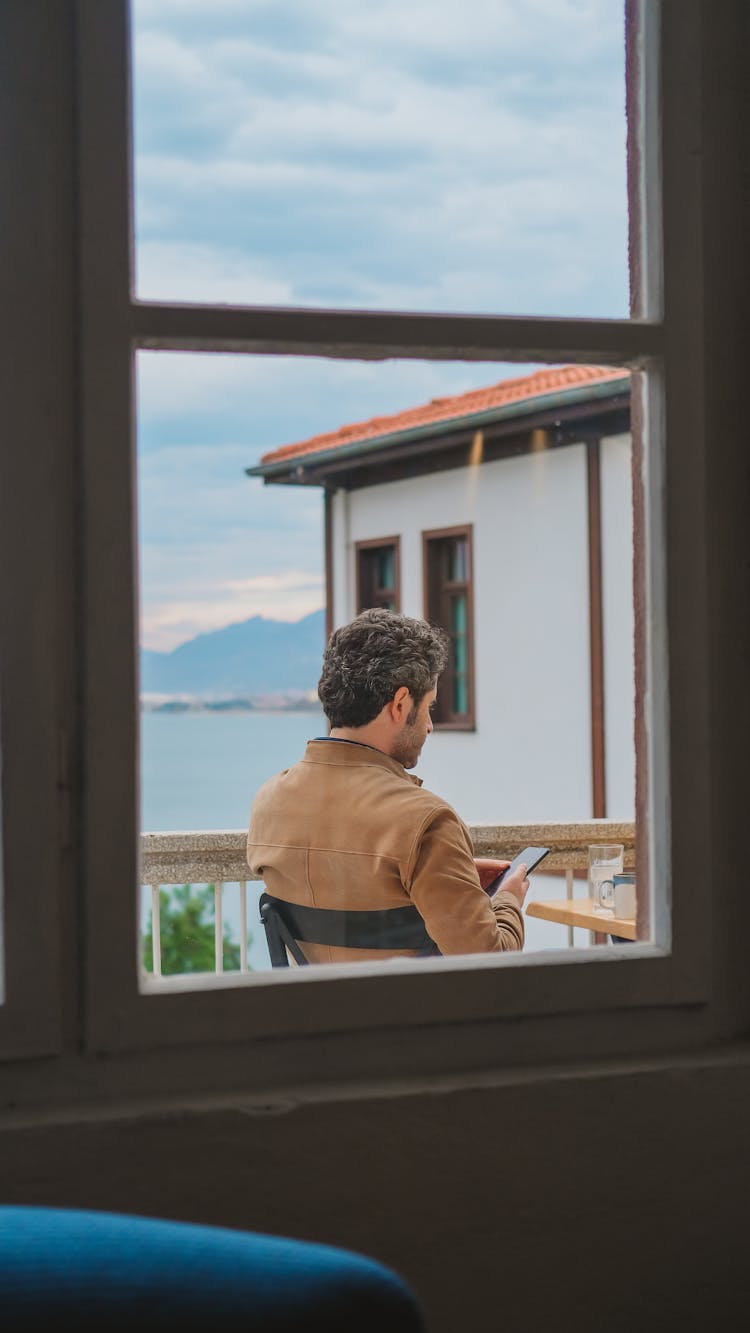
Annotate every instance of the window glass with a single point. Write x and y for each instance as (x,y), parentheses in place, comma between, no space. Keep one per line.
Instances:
(457,567)
(415,156)
(459,636)
(377,575)
(234,456)
(447,565)
(386,570)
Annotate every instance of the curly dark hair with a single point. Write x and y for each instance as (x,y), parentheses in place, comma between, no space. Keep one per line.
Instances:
(366,661)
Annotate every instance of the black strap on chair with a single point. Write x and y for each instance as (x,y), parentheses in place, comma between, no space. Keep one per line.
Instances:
(386,928)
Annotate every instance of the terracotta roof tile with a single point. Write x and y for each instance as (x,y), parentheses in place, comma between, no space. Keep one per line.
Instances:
(503,394)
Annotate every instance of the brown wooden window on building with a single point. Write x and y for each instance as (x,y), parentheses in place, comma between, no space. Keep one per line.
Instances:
(378,574)
(448,602)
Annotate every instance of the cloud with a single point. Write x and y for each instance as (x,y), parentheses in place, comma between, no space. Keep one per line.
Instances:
(390,155)
(226,276)
(408,156)
(213,539)
(236,407)
(265,583)
(288,596)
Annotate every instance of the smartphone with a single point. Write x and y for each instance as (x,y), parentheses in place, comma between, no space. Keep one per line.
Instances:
(529,857)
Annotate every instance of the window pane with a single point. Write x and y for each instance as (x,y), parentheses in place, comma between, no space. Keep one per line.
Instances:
(458,570)
(458,614)
(460,695)
(386,565)
(413,154)
(460,650)
(233,589)
(377,577)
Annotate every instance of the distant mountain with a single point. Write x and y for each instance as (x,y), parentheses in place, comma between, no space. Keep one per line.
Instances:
(255,657)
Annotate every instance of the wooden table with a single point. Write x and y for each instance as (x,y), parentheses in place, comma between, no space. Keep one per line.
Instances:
(580,912)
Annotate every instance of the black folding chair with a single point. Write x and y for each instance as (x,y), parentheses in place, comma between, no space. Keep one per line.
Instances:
(386,928)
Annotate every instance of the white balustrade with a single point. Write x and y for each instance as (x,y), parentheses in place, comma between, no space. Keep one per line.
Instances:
(218,858)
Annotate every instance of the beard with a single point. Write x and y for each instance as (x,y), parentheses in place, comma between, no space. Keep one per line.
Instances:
(408,745)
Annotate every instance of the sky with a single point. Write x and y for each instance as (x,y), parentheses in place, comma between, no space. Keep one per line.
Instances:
(410,154)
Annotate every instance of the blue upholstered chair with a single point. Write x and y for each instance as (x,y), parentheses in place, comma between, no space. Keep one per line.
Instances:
(116,1271)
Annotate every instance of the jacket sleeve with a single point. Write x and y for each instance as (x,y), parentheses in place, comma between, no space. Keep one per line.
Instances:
(444,886)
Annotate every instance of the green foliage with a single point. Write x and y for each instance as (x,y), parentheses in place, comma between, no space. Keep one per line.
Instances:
(187,933)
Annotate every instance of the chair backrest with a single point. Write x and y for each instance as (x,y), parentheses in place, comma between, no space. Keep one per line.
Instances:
(119,1272)
(385,928)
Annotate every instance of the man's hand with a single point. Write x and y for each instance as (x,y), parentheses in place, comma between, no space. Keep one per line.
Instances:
(517,884)
(488,869)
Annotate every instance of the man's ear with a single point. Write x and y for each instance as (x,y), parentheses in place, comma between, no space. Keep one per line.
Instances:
(400,703)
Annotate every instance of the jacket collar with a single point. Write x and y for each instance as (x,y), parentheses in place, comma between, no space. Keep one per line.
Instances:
(330,750)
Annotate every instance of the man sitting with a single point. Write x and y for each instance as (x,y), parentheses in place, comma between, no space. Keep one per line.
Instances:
(349,828)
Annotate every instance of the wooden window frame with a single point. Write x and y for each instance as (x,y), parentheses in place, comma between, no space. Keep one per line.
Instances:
(119,1014)
(443,1014)
(375,544)
(444,718)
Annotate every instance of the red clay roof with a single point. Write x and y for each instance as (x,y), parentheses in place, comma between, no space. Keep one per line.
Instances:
(519,390)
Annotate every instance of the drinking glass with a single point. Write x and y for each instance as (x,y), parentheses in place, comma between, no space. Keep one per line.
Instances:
(605,861)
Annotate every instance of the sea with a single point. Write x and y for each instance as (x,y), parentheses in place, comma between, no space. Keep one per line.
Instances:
(200,770)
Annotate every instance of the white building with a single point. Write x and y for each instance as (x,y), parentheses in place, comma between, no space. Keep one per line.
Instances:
(504,514)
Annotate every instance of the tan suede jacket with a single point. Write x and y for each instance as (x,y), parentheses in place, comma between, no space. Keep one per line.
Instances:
(348,827)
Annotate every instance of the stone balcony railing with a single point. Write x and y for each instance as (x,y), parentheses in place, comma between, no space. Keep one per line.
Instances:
(218,858)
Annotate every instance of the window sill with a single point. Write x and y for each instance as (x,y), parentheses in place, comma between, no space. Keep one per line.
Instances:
(505,990)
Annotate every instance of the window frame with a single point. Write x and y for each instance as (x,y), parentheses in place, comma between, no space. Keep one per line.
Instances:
(434,599)
(38,605)
(364,548)
(650,991)
(115,326)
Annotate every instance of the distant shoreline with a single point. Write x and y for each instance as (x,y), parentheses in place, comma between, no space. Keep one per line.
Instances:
(180,706)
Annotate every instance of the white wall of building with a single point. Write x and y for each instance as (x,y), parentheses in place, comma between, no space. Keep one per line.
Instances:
(342,560)
(619,628)
(530,756)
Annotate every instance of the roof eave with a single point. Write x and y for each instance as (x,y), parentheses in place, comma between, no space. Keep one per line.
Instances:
(292,469)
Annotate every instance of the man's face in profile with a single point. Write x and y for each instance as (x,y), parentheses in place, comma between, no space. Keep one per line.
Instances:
(416,729)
